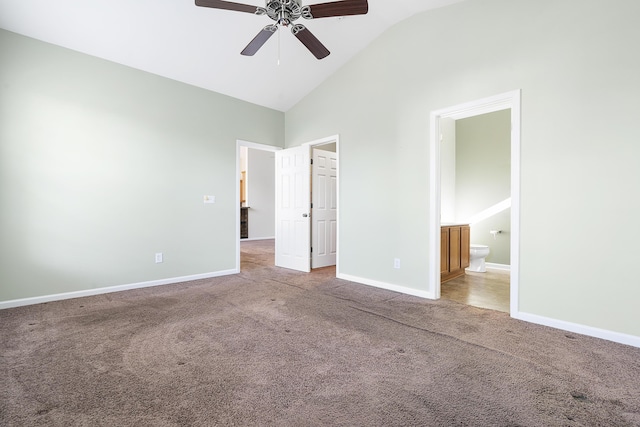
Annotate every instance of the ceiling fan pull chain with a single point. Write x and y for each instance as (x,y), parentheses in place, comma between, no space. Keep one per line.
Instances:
(279,45)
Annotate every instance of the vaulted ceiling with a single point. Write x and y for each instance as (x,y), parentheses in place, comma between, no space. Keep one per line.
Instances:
(201,46)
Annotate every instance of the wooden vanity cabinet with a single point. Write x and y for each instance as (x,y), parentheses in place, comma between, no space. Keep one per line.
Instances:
(454,251)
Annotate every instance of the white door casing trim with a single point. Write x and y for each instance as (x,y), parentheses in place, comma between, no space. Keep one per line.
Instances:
(508,100)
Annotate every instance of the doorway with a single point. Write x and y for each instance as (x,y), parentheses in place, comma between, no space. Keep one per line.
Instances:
(507,101)
(475,155)
(307,205)
(242,192)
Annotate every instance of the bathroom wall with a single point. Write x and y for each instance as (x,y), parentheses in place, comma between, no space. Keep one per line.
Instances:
(261,193)
(483,169)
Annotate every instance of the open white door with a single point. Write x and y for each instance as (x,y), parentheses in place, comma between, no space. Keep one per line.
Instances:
(293,233)
(324,226)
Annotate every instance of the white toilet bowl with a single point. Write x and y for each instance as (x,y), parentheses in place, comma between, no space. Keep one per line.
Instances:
(477,254)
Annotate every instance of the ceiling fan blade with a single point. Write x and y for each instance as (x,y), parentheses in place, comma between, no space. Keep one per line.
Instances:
(338,8)
(259,40)
(227,5)
(310,41)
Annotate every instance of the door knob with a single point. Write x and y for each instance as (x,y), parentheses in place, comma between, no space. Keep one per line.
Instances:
(304,215)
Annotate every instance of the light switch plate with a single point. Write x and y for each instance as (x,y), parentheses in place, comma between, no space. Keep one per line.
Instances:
(209,199)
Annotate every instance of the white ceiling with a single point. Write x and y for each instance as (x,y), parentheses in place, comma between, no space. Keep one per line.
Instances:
(201,46)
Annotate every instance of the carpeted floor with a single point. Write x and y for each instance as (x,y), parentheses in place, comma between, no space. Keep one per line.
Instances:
(273,347)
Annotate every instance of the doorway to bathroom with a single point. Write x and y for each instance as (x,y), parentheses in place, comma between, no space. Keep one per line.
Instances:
(475,181)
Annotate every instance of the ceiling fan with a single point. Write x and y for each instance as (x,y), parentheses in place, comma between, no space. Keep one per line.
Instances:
(285,12)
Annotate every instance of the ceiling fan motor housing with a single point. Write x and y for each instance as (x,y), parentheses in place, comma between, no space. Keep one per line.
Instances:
(285,12)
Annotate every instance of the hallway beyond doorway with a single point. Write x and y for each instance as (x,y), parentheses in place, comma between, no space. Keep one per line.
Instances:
(260,254)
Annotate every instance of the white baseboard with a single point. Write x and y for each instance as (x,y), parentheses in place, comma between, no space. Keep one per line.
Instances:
(626,339)
(109,289)
(618,337)
(495,266)
(387,286)
(249,239)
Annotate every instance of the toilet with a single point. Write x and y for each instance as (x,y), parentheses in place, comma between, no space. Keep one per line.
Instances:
(477,254)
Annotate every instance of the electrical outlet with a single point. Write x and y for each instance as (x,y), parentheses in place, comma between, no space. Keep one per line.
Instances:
(396,263)
(158,257)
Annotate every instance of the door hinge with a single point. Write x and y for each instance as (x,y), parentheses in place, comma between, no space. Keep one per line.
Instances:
(311,205)
(311,161)
(311,249)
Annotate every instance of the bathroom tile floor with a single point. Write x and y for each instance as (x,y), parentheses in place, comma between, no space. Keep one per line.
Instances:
(485,290)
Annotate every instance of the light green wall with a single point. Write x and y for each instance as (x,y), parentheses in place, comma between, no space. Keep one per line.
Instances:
(575,62)
(102,166)
(483,178)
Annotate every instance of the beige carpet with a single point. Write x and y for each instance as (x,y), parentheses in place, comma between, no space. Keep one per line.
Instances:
(272,347)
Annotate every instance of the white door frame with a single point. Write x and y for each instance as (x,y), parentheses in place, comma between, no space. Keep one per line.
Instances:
(324,141)
(254,145)
(508,100)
